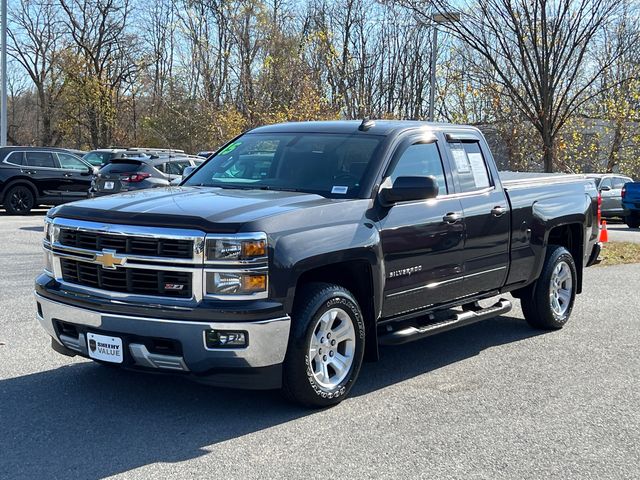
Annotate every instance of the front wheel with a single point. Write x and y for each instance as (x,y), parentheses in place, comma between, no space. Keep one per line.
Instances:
(548,303)
(326,346)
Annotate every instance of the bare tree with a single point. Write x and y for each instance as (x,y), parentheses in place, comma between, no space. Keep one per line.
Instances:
(35,34)
(105,58)
(540,52)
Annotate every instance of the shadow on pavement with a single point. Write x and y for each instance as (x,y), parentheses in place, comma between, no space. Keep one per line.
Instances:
(33,213)
(89,421)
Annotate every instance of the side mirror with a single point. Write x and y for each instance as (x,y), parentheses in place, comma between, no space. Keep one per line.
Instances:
(188,171)
(406,189)
(605,188)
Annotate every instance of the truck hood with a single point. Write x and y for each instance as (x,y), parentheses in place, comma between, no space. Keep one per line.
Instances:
(210,209)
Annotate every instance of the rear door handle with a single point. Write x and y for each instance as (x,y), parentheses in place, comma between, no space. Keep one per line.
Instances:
(68,175)
(452,217)
(498,211)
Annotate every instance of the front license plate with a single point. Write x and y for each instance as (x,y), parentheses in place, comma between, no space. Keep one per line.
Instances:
(105,348)
(108,185)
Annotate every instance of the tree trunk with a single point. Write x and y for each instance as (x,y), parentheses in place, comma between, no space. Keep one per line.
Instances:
(616,145)
(548,149)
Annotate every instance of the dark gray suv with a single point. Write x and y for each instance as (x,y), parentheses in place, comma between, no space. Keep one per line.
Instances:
(127,174)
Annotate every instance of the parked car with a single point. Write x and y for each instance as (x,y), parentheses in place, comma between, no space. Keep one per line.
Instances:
(298,248)
(127,174)
(103,156)
(631,204)
(610,187)
(206,153)
(33,176)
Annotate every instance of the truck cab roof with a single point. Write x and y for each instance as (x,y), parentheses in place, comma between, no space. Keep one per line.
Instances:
(377,127)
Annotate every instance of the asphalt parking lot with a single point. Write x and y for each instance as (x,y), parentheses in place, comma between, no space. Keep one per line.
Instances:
(619,232)
(494,400)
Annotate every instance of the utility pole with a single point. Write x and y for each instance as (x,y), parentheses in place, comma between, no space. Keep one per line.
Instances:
(3,67)
(437,19)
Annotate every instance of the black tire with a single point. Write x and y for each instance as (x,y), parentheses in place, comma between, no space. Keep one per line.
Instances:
(299,382)
(19,200)
(632,221)
(536,300)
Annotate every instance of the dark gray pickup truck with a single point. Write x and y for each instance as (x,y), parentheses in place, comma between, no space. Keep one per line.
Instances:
(297,249)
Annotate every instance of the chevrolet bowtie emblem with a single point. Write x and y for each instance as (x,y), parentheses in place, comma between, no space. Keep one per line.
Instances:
(108,259)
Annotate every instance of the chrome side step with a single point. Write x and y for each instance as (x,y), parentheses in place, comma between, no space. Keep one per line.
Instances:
(409,334)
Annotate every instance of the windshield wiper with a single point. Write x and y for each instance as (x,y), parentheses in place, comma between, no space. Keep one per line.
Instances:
(278,189)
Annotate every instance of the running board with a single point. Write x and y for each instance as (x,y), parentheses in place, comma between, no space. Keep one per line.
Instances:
(409,334)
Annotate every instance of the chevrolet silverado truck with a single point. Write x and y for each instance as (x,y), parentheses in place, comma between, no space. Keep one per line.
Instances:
(290,255)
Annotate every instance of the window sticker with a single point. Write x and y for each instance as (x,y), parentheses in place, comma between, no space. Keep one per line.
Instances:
(230,148)
(462,162)
(479,170)
(339,189)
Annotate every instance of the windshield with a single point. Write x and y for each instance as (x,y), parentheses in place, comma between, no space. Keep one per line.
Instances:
(331,165)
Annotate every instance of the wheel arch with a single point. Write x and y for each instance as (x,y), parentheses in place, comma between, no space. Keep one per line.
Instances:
(356,276)
(19,181)
(571,237)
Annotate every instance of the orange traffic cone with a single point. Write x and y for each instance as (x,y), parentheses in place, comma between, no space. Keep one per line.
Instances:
(604,235)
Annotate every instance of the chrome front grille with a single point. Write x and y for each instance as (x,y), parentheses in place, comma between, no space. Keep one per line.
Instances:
(127,280)
(130,262)
(161,247)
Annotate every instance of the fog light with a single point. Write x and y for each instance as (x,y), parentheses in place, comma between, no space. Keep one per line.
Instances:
(225,339)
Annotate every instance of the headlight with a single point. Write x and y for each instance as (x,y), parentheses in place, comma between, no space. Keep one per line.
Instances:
(245,256)
(234,283)
(246,247)
(48,228)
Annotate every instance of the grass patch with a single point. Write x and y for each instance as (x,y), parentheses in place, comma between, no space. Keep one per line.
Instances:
(617,253)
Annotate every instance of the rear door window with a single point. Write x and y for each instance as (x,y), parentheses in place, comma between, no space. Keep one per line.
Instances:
(40,159)
(470,166)
(618,182)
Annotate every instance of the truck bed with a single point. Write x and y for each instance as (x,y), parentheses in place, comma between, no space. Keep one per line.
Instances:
(514,179)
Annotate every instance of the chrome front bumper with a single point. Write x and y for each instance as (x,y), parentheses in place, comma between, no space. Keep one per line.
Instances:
(267,339)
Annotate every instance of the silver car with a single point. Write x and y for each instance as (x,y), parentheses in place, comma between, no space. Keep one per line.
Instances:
(610,187)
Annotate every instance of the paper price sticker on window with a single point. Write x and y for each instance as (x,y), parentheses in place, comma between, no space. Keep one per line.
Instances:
(479,170)
(462,162)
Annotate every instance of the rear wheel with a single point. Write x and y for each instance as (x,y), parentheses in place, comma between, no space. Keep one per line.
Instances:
(326,346)
(19,200)
(549,301)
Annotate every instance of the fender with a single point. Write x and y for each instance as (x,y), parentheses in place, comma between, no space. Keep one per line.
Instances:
(304,250)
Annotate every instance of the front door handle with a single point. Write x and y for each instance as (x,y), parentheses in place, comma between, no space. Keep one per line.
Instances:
(498,211)
(452,217)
